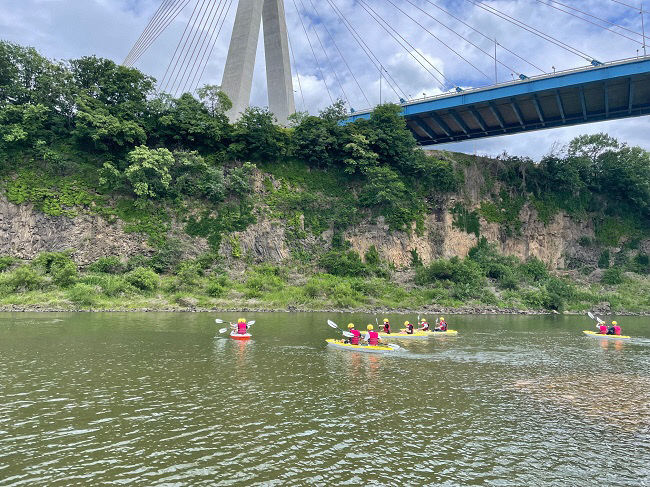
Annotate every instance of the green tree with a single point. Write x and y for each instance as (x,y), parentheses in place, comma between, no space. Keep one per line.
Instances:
(257,137)
(148,171)
(214,99)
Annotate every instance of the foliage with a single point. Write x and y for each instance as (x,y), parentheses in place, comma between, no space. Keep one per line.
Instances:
(143,278)
(107,265)
(6,262)
(604,259)
(612,276)
(342,263)
(83,294)
(148,171)
(59,266)
(24,278)
(465,220)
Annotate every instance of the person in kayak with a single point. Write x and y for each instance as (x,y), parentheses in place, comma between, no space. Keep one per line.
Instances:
(424,325)
(372,337)
(386,326)
(614,329)
(242,327)
(357,335)
(409,327)
(602,328)
(442,325)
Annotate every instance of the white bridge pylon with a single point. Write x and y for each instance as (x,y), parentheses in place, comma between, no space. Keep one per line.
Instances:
(238,72)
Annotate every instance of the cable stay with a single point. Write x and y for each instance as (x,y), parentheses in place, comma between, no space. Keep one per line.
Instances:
(178,7)
(412,51)
(152,21)
(313,52)
(212,39)
(329,61)
(592,23)
(464,38)
(537,32)
(485,36)
(199,33)
(627,5)
(366,49)
(205,35)
(339,51)
(295,66)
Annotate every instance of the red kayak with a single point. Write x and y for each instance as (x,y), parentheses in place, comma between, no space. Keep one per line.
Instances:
(236,336)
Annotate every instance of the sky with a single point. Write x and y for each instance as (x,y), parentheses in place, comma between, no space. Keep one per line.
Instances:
(449,52)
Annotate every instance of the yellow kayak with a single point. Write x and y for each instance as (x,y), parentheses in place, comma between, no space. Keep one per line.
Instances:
(340,344)
(418,334)
(606,337)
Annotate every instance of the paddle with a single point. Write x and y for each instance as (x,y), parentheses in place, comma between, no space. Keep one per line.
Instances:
(346,334)
(218,322)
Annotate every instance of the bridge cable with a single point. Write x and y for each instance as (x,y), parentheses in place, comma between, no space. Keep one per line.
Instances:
(462,37)
(153,26)
(328,59)
(532,30)
(313,52)
(214,43)
(178,46)
(409,52)
(366,49)
(179,6)
(202,33)
(150,25)
(293,56)
(340,53)
(205,46)
(627,5)
(485,36)
(195,22)
(592,23)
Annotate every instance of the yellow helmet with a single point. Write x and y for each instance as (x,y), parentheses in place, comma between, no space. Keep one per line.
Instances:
(406,323)
(350,325)
(423,320)
(442,319)
(370,327)
(241,320)
(614,323)
(385,320)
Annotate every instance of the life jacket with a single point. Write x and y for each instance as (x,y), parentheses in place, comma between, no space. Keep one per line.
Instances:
(610,330)
(373,338)
(617,330)
(386,328)
(242,328)
(409,329)
(443,326)
(603,329)
(357,336)
(425,326)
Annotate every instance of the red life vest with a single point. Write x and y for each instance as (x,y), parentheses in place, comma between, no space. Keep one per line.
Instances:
(386,328)
(242,328)
(603,329)
(373,338)
(617,329)
(357,336)
(443,326)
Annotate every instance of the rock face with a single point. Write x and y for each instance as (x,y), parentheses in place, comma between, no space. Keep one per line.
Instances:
(25,232)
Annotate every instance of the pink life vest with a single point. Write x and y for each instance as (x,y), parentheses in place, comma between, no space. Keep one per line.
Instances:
(373,338)
(603,329)
(617,329)
(357,336)
(242,328)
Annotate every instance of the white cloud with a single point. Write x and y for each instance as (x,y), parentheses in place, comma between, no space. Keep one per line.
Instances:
(108,28)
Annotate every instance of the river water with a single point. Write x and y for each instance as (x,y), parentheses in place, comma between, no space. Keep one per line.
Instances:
(163,399)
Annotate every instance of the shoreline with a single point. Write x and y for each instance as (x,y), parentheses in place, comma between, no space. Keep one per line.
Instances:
(468,310)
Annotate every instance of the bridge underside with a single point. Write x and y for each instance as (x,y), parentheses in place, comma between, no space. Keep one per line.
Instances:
(608,92)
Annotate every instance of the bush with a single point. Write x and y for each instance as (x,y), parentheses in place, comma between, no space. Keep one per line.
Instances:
(441,269)
(372,256)
(107,265)
(612,276)
(143,278)
(83,294)
(640,264)
(508,280)
(559,292)
(218,288)
(537,299)
(59,265)
(341,263)
(25,279)
(603,260)
(6,262)
(534,269)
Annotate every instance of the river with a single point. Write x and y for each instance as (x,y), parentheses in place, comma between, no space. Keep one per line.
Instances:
(163,399)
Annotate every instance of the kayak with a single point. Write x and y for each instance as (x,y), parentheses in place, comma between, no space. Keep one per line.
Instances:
(420,334)
(236,336)
(606,337)
(340,344)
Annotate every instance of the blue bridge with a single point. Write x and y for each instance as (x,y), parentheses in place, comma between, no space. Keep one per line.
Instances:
(608,91)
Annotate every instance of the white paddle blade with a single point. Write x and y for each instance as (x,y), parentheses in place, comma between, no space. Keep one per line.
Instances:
(591,315)
(251,323)
(218,321)
(223,330)
(347,334)
(600,320)
(332,324)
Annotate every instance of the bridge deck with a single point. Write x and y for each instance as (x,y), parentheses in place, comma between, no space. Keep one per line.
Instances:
(614,90)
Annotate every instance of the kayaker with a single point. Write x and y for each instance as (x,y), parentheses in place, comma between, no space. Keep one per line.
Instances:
(357,335)
(372,337)
(424,324)
(242,327)
(442,325)
(617,328)
(386,326)
(409,327)
(602,328)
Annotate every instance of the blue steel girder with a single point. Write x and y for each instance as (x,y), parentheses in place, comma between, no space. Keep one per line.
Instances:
(615,90)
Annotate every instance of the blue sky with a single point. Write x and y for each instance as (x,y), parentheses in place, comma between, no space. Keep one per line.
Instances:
(108,28)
